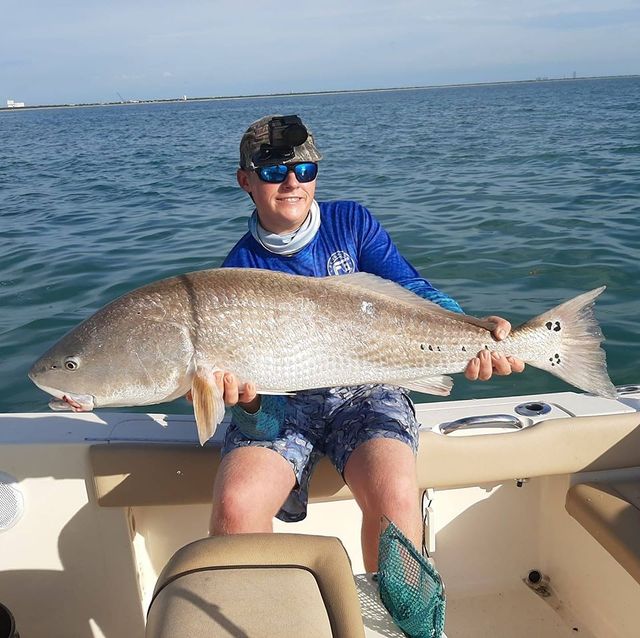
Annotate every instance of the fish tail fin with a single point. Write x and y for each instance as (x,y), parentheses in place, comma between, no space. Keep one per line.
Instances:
(208,404)
(576,356)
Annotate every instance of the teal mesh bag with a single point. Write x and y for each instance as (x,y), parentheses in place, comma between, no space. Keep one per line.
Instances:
(410,588)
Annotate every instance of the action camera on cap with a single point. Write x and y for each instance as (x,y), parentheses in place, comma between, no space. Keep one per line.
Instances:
(285,133)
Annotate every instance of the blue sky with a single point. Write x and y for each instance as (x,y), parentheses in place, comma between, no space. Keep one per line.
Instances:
(87,51)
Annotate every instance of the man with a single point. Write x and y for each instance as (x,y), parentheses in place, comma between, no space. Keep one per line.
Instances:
(370,433)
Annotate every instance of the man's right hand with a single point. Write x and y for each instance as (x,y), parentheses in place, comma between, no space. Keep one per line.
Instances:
(245,396)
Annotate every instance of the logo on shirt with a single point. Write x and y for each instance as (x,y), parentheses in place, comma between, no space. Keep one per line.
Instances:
(340,263)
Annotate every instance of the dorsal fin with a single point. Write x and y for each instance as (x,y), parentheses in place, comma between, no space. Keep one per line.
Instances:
(373,283)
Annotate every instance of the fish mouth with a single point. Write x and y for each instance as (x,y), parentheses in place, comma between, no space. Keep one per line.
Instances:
(68,400)
(74,402)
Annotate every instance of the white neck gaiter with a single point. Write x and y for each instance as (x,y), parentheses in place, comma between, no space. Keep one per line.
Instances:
(291,242)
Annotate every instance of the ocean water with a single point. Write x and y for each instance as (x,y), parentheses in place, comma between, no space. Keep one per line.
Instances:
(511,198)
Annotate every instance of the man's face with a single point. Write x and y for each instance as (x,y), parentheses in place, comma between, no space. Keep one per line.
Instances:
(281,207)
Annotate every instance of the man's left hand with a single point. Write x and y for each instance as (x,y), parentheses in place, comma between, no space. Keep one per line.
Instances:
(486,363)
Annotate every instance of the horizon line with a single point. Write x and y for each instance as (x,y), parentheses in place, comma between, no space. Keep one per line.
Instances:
(306,93)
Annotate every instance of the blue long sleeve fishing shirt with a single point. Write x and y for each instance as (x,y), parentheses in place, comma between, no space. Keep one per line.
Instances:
(349,239)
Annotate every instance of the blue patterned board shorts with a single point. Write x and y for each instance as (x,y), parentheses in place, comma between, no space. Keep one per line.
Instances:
(332,422)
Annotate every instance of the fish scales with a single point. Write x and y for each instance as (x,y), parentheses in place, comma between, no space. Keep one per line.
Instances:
(309,335)
(301,334)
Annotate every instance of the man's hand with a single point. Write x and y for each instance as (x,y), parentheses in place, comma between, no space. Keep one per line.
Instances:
(485,364)
(232,394)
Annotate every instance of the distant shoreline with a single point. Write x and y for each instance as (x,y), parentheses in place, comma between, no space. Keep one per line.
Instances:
(311,93)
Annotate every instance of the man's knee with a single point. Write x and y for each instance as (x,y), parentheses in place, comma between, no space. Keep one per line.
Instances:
(236,512)
(382,475)
(250,487)
(399,494)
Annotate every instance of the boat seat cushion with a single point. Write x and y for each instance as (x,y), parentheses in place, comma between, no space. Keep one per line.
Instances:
(610,512)
(265,585)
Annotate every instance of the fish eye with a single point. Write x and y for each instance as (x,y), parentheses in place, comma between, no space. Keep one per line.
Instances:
(71,363)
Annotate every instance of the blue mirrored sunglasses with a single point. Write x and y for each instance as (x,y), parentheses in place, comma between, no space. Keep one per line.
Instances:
(277,173)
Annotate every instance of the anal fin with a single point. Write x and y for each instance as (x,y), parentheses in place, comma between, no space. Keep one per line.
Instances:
(440,385)
(208,403)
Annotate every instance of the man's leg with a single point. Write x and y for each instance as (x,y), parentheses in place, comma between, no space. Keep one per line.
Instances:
(251,485)
(381,473)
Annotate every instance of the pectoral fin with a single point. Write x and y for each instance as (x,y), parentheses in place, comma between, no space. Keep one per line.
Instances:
(208,404)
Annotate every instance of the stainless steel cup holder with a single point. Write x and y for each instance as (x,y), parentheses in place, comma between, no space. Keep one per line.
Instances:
(533,408)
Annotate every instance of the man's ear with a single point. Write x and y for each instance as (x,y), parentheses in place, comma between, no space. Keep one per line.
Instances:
(243,180)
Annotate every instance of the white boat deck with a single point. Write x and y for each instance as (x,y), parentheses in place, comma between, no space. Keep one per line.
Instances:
(517,613)
(377,621)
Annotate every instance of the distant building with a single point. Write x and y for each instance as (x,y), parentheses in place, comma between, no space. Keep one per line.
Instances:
(12,104)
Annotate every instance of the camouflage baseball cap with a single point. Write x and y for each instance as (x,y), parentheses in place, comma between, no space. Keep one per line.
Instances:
(257,146)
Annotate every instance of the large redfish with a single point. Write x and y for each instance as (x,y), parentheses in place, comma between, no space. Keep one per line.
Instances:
(287,333)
